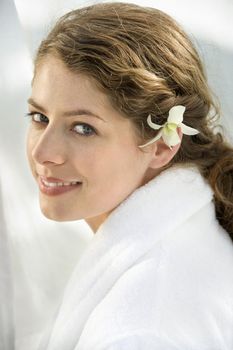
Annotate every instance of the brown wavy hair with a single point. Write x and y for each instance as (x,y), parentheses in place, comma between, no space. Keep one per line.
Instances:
(142,59)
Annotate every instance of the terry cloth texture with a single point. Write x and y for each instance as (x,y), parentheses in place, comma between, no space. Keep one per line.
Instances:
(157,275)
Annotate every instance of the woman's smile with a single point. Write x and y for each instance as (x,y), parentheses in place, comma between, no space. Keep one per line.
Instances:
(53,187)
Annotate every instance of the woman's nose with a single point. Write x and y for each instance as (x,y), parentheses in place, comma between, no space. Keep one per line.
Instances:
(50,147)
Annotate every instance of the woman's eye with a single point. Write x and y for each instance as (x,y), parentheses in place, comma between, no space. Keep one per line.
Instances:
(84,129)
(80,128)
(38,117)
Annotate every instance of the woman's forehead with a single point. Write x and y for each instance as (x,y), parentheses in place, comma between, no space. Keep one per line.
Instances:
(56,87)
(54,81)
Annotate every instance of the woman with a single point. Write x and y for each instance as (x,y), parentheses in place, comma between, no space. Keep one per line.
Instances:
(122,135)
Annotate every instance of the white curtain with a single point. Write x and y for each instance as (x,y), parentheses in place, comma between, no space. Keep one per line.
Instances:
(6,287)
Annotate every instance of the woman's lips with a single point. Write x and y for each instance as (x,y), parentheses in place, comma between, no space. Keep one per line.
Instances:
(53,187)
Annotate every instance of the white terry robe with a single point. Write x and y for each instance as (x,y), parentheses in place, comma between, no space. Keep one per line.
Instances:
(157,275)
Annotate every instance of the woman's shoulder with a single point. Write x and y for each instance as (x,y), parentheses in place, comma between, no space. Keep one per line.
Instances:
(183,285)
(152,303)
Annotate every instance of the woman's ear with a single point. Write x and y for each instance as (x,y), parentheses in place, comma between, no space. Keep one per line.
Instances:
(162,154)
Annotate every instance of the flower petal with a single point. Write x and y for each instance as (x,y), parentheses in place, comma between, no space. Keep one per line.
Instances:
(171,138)
(153,125)
(187,130)
(153,140)
(176,114)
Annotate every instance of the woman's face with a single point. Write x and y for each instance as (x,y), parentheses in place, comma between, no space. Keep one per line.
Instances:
(77,136)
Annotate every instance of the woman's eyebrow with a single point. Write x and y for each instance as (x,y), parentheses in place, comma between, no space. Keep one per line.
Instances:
(71,113)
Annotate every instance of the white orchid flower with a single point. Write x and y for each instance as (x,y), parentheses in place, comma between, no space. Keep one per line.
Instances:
(169,130)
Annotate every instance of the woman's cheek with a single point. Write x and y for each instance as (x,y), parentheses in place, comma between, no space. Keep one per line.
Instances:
(30,144)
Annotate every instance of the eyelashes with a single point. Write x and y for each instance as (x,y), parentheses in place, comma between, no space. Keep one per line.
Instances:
(82,129)
(38,117)
(88,130)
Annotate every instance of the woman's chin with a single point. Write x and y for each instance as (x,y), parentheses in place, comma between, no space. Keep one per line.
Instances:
(58,214)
